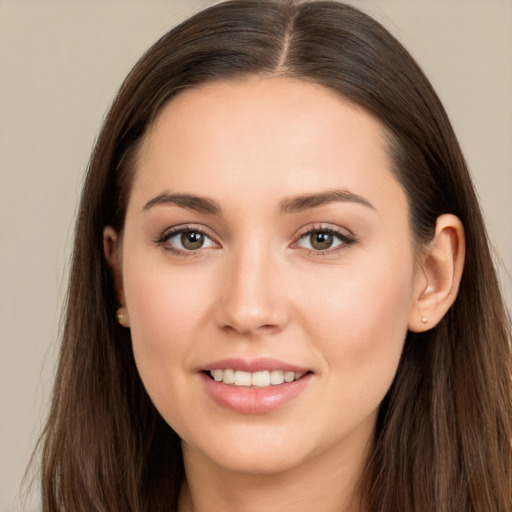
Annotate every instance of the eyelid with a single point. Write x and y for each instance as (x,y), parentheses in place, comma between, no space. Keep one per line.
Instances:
(169,233)
(346,237)
(330,228)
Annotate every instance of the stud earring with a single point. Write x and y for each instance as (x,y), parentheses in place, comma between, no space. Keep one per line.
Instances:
(122,317)
(424,319)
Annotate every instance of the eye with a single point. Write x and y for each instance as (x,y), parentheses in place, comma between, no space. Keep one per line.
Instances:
(320,240)
(324,240)
(186,240)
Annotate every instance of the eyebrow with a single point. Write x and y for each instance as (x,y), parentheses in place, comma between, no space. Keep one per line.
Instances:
(306,201)
(291,205)
(189,201)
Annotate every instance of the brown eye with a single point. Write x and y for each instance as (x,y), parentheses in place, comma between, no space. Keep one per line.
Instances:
(324,240)
(321,241)
(186,240)
(192,240)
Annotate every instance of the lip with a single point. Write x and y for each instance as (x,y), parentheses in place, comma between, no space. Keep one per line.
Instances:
(249,400)
(255,365)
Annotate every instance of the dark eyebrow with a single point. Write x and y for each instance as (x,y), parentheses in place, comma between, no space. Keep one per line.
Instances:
(306,201)
(189,201)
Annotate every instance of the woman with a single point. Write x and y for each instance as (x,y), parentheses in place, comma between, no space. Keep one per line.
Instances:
(281,293)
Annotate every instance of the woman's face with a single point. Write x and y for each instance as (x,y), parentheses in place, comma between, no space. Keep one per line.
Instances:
(267,241)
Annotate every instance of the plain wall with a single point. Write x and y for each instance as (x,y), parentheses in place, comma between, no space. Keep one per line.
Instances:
(60,66)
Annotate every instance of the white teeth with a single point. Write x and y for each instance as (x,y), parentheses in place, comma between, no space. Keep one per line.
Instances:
(260,379)
(276,377)
(288,376)
(228,376)
(242,378)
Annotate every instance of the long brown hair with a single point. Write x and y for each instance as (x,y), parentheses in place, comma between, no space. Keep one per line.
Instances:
(443,438)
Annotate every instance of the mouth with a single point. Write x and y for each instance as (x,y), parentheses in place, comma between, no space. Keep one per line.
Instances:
(259,379)
(256,386)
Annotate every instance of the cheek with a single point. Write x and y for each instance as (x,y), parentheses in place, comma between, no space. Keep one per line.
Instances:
(166,306)
(361,323)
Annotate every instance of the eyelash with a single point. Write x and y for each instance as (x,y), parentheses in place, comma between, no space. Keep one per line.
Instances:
(163,240)
(346,241)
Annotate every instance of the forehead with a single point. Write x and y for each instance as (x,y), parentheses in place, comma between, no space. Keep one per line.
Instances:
(266,136)
(225,112)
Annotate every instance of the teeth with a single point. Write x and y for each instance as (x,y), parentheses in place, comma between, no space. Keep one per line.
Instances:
(288,376)
(228,376)
(276,377)
(261,379)
(242,379)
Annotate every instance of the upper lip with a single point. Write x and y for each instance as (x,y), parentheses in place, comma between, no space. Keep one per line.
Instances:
(254,365)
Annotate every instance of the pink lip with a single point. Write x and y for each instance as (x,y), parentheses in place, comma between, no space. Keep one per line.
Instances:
(256,365)
(245,400)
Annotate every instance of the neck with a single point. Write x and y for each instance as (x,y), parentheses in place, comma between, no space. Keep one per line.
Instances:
(328,483)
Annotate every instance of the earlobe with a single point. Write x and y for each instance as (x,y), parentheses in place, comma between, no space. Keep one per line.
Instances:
(441,265)
(112,251)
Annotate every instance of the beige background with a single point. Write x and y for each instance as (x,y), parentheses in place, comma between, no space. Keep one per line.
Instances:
(60,65)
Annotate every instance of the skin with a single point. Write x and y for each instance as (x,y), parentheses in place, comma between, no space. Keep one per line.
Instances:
(258,288)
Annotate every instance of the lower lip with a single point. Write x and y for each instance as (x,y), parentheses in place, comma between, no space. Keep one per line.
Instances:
(246,400)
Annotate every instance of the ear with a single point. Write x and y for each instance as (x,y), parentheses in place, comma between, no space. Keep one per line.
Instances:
(112,248)
(438,276)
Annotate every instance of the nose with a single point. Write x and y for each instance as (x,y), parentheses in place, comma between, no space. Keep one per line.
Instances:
(252,294)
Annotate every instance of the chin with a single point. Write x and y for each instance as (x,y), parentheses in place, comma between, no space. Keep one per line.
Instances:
(259,453)
(262,463)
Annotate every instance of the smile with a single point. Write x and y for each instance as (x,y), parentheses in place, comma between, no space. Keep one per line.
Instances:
(260,379)
(255,387)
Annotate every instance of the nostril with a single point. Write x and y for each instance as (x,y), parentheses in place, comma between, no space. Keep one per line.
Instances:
(247,329)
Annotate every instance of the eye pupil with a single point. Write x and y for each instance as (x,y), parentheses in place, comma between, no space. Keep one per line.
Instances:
(321,240)
(192,240)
